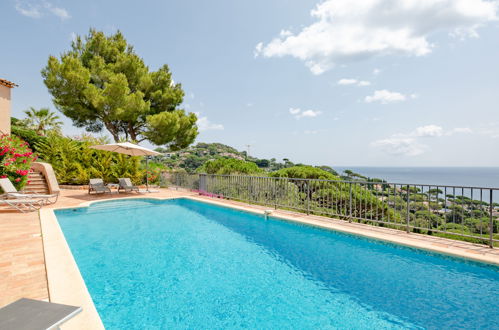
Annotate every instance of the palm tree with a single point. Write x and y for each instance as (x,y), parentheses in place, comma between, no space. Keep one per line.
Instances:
(42,120)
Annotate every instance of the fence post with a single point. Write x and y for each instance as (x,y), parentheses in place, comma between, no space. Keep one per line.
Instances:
(350,203)
(491,225)
(308,197)
(274,180)
(407,218)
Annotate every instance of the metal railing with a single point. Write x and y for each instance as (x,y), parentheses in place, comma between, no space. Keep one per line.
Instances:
(458,212)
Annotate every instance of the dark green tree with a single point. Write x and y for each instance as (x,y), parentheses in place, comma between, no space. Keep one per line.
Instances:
(304,172)
(102,83)
(229,166)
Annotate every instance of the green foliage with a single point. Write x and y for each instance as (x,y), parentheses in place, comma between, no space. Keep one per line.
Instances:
(304,172)
(154,172)
(229,166)
(102,83)
(75,163)
(262,163)
(352,176)
(328,169)
(15,160)
(27,135)
(42,120)
(195,156)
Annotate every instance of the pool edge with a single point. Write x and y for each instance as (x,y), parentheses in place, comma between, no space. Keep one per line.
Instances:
(64,280)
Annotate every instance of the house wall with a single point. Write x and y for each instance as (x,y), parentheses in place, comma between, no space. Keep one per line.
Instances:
(4,110)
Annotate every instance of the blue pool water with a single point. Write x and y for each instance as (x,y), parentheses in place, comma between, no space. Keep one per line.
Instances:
(185,264)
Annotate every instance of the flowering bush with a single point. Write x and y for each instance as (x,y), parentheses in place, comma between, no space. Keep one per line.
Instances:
(15,160)
(154,175)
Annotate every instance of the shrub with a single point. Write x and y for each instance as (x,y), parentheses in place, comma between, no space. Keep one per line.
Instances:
(154,172)
(75,163)
(27,135)
(15,160)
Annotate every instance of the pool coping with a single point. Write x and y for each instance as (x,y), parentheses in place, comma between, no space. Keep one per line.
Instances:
(66,284)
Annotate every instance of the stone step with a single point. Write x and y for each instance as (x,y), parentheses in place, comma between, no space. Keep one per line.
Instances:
(36,178)
(37,183)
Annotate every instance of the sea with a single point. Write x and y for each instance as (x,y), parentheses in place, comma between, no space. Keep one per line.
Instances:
(451,176)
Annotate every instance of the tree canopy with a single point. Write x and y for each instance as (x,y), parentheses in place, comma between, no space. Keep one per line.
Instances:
(304,172)
(102,83)
(229,166)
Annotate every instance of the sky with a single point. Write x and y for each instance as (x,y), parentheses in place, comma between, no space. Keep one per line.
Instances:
(332,82)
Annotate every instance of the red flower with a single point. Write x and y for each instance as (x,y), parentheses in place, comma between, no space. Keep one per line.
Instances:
(3,176)
(17,179)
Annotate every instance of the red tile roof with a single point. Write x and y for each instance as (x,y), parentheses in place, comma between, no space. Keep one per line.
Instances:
(7,83)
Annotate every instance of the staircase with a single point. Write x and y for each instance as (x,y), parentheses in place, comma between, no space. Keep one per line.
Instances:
(37,183)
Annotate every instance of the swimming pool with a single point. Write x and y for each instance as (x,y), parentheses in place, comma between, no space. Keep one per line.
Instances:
(186,264)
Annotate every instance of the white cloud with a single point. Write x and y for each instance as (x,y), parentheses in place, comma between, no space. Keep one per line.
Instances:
(345,81)
(37,9)
(258,49)
(310,113)
(376,71)
(204,124)
(400,146)
(360,83)
(57,11)
(428,131)
(408,144)
(311,132)
(384,97)
(298,113)
(28,9)
(348,30)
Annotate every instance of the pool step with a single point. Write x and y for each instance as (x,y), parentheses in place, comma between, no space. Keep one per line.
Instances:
(115,205)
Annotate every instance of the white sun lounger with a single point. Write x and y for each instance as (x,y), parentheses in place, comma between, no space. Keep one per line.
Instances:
(11,192)
(23,205)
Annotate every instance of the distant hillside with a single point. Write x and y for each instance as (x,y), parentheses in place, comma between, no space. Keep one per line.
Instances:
(195,156)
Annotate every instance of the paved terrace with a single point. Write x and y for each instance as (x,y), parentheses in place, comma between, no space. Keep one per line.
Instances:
(22,263)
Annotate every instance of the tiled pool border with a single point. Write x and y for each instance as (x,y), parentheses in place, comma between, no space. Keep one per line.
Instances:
(66,285)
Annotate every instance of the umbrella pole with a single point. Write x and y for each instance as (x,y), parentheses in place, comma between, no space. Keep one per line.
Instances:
(147,173)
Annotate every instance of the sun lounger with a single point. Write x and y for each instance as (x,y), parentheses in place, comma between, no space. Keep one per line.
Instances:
(11,192)
(23,205)
(97,186)
(34,314)
(126,185)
